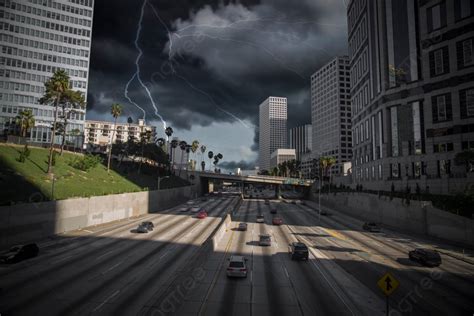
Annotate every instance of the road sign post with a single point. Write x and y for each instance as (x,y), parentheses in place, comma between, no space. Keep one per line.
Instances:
(388,284)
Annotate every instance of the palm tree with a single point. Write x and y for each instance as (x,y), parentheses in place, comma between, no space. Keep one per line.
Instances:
(71,102)
(25,120)
(194,147)
(168,133)
(182,145)
(203,165)
(210,154)
(203,150)
(55,87)
(115,110)
(174,144)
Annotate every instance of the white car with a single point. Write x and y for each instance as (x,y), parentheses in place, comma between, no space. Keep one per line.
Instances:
(195,209)
(260,219)
(265,240)
(183,209)
(237,267)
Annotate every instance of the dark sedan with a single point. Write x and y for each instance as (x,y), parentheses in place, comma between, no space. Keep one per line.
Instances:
(427,257)
(298,251)
(20,253)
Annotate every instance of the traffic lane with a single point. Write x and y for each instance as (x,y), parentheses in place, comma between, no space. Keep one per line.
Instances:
(136,285)
(232,295)
(312,290)
(410,241)
(272,291)
(73,274)
(355,261)
(452,279)
(437,298)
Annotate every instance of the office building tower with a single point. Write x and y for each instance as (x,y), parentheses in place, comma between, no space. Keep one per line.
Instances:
(300,139)
(412,89)
(331,112)
(37,38)
(272,129)
(281,155)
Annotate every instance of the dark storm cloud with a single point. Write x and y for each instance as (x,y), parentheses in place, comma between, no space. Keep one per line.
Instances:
(228,56)
(232,165)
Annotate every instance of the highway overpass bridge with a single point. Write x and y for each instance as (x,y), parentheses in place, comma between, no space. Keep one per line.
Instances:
(208,180)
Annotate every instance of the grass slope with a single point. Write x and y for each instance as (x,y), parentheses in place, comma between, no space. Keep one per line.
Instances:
(28,182)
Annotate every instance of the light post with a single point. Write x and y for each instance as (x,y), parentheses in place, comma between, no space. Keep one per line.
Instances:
(159,181)
(319,199)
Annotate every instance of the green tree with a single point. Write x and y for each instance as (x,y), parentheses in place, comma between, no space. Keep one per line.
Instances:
(116,111)
(210,154)
(71,102)
(55,88)
(25,120)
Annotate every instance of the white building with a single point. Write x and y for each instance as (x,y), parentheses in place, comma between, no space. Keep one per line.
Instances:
(280,155)
(37,38)
(331,112)
(98,134)
(300,139)
(272,129)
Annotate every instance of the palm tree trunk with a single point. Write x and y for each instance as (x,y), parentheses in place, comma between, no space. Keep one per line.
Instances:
(51,144)
(181,163)
(111,144)
(63,140)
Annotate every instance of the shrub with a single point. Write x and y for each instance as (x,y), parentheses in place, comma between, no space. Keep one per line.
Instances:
(25,153)
(86,162)
(53,159)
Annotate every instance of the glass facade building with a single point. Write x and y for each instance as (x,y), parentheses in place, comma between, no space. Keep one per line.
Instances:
(37,38)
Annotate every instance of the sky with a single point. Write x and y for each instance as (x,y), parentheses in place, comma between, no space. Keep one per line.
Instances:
(205,66)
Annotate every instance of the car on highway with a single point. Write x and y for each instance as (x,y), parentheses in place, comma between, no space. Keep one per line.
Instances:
(195,209)
(19,253)
(141,229)
(265,240)
(202,214)
(298,251)
(277,221)
(183,209)
(273,211)
(293,202)
(149,225)
(204,199)
(370,226)
(260,218)
(237,267)
(427,257)
(242,226)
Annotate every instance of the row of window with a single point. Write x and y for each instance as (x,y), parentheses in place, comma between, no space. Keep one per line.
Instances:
(439,59)
(53,15)
(361,99)
(442,109)
(39,112)
(4,61)
(357,38)
(24,87)
(63,7)
(353,15)
(44,35)
(359,68)
(436,16)
(44,24)
(27,76)
(44,57)
(44,46)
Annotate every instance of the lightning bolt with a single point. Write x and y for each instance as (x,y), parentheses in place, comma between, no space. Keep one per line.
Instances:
(136,75)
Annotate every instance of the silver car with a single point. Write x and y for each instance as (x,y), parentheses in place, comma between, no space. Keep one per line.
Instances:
(265,240)
(237,267)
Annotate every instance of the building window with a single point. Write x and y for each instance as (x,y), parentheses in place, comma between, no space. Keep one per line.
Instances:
(439,61)
(466,100)
(444,167)
(467,52)
(394,130)
(441,108)
(463,9)
(395,170)
(436,16)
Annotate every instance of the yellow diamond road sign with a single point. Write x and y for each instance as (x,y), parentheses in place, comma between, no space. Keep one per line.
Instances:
(388,284)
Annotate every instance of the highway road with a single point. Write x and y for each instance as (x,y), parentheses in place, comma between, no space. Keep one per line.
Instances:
(109,270)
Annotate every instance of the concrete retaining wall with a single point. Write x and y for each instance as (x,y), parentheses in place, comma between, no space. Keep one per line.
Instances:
(418,217)
(35,221)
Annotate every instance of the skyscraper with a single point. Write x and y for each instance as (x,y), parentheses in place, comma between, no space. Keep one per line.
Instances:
(272,129)
(300,139)
(39,37)
(412,88)
(331,112)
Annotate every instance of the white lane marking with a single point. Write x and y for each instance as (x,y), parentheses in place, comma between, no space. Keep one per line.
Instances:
(62,259)
(87,231)
(106,300)
(164,255)
(286,272)
(105,254)
(111,268)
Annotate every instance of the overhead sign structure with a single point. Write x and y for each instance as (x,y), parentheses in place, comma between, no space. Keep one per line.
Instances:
(388,284)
